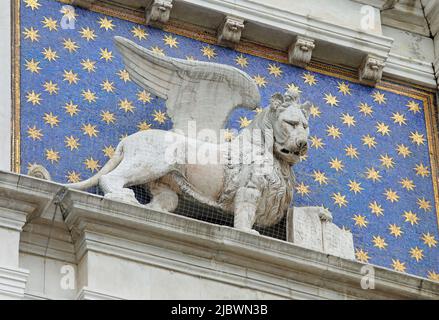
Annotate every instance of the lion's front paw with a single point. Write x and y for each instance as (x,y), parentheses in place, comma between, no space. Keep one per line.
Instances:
(325,215)
(248,230)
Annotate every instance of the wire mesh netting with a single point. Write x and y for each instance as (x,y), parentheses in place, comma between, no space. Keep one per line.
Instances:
(190,208)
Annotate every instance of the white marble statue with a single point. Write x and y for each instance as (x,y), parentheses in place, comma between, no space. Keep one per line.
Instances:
(249,176)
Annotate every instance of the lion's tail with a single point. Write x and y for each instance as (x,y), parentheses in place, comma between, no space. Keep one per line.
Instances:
(109,166)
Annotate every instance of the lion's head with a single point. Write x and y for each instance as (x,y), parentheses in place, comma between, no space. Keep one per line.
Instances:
(290,126)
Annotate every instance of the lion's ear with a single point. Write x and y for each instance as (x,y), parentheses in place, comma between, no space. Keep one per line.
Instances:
(276,101)
(306,108)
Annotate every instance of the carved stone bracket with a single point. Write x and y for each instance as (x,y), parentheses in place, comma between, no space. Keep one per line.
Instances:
(158,12)
(371,69)
(300,51)
(229,32)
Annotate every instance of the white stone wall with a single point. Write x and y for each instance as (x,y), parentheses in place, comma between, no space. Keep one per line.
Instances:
(5,85)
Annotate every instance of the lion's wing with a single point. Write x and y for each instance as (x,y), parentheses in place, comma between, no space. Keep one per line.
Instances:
(194,91)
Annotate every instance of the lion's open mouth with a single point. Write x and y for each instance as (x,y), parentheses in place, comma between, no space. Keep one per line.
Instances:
(286,151)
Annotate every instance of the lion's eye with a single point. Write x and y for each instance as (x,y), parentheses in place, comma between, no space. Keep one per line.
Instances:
(292,123)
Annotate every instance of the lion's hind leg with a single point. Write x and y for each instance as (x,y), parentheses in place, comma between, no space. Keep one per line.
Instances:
(163,197)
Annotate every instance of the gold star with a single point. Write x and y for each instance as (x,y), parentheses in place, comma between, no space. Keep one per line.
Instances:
(398,265)
(315,111)
(413,107)
(395,230)
(73,177)
(124,75)
(399,118)
(244,122)
(170,41)
(320,177)
(33,98)
(144,96)
(422,170)
(361,255)
(50,119)
(89,96)
(70,45)
(159,116)
(348,119)
(260,81)
(33,66)
(90,130)
(369,141)
(433,276)
(355,186)
(126,105)
(336,164)
(339,199)
(403,150)
(88,65)
(316,142)
(429,239)
(391,195)
(302,189)
(50,24)
(71,109)
(382,128)
(376,209)
(417,138)
(108,151)
(52,156)
(49,54)
(108,117)
(72,142)
(92,164)
(309,79)
(365,109)
(69,13)
(143,126)
(208,52)
(373,174)
(107,86)
(33,4)
(379,97)
(379,242)
(106,24)
(139,33)
(424,204)
(360,221)
(34,133)
(416,253)
(333,132)
(71,77)
(274,70)
(344,88)
(88,34)
(407,184)
(411,217)
(331,100)
(51,87)
(106,55)
(351,151)
(387,161)
(31,34)
(241,61)
(292,88)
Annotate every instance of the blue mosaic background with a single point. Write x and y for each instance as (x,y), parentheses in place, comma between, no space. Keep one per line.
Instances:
(380,191)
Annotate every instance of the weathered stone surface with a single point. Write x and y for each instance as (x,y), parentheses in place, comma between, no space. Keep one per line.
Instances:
(307,228)
(337,242)
(229,32)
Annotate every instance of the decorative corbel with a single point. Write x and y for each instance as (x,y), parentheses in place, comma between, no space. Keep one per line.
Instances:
(158,12)
(229,32)
(371,69)
(86,4)
(300,51)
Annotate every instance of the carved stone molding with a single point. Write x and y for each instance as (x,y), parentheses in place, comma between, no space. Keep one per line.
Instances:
(158,12)
(300,51)
(83,3)
(371,69)
(229,32)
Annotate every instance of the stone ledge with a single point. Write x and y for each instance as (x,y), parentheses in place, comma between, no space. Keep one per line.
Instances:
(12,283)
(222,254)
